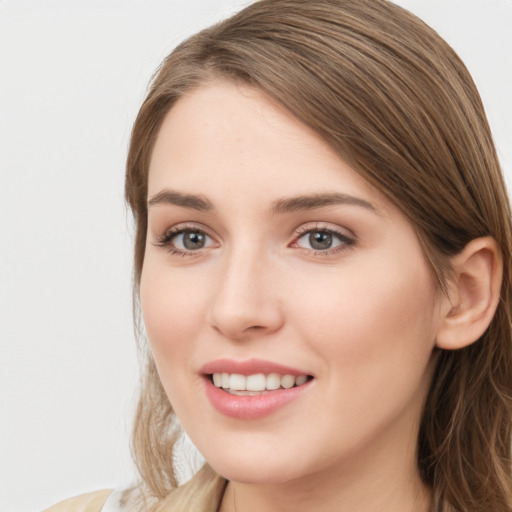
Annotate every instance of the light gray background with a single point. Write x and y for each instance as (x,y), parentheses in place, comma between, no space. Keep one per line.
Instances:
(72,75)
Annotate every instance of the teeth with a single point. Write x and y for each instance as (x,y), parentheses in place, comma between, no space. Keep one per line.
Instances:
(288,381)
(301,380)
(258,382)
(237,382)
(217,379)
(273,381)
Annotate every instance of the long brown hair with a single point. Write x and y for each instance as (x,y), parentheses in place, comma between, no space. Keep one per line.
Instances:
(396,103)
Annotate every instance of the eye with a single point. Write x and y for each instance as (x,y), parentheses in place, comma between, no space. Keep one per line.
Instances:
(189,240)
(320,240)
(182,240)
(323,240)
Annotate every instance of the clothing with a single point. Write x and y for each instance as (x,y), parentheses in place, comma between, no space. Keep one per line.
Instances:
(202,493)
(114,501)
(90,502)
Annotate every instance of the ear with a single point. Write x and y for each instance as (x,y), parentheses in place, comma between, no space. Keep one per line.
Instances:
(474,293)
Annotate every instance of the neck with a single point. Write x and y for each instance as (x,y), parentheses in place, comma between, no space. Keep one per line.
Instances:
(385,496)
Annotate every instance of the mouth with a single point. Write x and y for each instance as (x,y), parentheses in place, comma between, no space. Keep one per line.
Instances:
(257,383)
(253,389)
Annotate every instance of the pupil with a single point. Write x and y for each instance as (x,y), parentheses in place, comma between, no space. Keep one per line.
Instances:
(193,240)
(320,240)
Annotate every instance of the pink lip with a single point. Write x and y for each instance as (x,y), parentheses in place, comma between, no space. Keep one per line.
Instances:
(250,407)
(248,367)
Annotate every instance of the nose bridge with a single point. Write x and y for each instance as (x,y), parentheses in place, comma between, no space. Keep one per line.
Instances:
(245,301)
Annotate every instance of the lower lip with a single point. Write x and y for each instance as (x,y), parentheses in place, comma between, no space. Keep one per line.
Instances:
(251,407)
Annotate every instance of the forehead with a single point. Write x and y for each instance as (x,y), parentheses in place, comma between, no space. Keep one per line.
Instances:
(225,137)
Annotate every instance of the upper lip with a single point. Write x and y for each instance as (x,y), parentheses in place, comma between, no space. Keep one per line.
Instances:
(249,367)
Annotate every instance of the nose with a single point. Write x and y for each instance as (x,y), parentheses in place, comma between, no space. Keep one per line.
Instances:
(245,303)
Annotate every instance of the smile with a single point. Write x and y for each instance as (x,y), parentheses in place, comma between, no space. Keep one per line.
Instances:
(253,389)
(251,385)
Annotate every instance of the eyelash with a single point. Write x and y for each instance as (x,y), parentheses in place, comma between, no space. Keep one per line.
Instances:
(345,242)
(165,240)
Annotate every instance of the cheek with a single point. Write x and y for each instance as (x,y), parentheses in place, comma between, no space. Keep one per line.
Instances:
(173,311)
(374,336)
(373,323)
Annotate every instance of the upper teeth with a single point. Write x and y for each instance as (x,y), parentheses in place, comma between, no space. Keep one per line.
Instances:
(257,382)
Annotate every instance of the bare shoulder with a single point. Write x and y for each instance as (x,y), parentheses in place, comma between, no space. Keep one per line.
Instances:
(90,502)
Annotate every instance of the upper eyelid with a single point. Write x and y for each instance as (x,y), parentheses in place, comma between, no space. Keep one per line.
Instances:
(297,232)
(188,226)
(323,226)
(341,236)
(302,228)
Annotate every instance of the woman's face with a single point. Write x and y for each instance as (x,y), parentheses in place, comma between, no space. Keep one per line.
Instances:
(270,263)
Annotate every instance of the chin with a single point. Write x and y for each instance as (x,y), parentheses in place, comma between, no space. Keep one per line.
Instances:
(258,466)
(247,473)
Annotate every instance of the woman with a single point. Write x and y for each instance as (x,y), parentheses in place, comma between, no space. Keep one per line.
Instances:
(322,260)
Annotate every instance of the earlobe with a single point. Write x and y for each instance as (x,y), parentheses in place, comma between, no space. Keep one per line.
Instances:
(474,294)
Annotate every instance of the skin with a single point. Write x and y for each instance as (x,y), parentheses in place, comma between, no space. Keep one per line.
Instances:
(361,317)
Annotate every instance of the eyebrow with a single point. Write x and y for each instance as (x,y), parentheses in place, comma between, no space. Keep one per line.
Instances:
(310,202)
(285,205)
(191,201)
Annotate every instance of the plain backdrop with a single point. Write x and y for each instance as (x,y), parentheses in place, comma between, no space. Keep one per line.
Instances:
(72,75)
